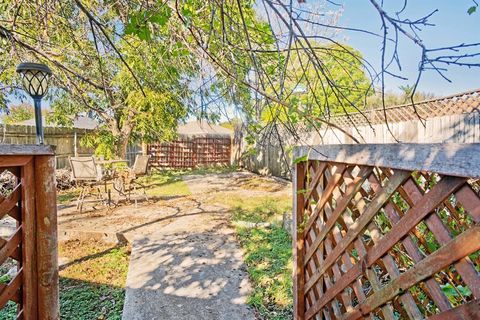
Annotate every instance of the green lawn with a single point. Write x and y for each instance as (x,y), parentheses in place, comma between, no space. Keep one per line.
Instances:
(160,183)
(268,253)
(93,279)
(91,282)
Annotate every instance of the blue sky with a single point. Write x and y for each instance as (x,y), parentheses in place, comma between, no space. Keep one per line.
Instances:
(453,25)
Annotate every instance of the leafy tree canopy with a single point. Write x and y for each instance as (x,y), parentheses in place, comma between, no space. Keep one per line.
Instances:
(18,113)
(311,88)
(105,63)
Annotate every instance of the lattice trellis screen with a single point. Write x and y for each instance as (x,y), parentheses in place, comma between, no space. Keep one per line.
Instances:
(191,152)
(387,232)
(465,102)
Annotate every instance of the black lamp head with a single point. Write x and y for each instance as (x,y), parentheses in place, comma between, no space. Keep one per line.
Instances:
(35,78)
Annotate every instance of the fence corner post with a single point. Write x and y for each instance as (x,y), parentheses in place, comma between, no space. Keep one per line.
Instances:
(47,245)
(298,241)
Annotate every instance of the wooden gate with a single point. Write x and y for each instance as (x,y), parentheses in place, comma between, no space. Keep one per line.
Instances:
(28,243)
(387,232)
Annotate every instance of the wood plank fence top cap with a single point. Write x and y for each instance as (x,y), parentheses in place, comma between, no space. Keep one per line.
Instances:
(454,159)
(80,122)
(26,149)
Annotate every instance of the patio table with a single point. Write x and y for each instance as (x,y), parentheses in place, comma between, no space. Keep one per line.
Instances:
(111,173)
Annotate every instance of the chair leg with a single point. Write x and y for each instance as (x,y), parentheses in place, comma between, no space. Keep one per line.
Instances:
(80,197)
(135,192)
(84,193)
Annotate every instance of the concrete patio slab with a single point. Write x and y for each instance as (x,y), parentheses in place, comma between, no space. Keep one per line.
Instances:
(191,268)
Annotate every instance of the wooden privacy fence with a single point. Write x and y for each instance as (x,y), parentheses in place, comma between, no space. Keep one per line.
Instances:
(28,204)
(191,152)
(387,231)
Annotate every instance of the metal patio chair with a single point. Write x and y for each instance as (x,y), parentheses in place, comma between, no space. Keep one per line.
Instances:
(127,183)
(89,177)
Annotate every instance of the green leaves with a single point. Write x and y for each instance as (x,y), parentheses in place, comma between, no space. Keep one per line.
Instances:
(472,9)
(455,293)
(301,159)
(141,23)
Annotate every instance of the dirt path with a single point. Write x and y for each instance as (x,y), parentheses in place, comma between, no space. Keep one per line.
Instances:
(185,262)
(128,221)
(192,267)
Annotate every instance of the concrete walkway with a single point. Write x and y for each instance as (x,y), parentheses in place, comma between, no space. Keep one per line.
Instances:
(191,268)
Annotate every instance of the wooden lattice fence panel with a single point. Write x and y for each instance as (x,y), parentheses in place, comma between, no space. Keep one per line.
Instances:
(191,152)
(465,102)
(28,237)
(387,232)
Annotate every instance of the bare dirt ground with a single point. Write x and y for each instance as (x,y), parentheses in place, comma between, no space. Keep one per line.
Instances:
(185,262)
(127,221)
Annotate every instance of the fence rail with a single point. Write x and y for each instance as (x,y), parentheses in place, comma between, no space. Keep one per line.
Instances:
(28,200)
(387,231)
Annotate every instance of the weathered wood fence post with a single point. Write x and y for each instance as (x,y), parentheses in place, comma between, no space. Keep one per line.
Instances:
(29,197)
(298,240)
(47,250)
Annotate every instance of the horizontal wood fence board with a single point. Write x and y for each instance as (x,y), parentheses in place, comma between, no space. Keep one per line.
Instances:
(453,159)
(377,239)
(18,150)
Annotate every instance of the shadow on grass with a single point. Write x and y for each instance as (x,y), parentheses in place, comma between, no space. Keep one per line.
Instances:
(81,300)
(268,256)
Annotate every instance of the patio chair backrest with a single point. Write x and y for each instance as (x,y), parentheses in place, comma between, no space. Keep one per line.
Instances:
(140,167)
(84,169)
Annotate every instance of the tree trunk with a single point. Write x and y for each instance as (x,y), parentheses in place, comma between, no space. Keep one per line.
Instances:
(121,147)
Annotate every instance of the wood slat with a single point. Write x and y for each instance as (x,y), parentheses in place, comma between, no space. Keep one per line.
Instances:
(29,261)
(11,291)
(467,311)
(470,201)
(377,202)
(12,161)
(8,150)
(463,245)
(326,194)
(352,189)
(298,242)
(428,202)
